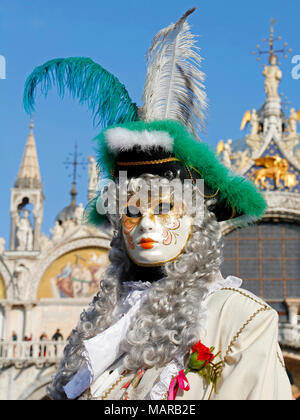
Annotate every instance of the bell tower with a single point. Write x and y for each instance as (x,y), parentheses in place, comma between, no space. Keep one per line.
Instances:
(27,201)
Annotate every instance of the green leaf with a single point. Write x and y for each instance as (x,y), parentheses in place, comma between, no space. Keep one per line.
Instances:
(194,363)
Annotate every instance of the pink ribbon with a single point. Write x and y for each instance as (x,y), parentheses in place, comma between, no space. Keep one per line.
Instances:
(178,382)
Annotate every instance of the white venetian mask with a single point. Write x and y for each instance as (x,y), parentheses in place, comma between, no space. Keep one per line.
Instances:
(156,234)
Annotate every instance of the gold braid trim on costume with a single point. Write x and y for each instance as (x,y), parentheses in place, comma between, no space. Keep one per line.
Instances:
(247,296)
(264,308)
(112,387)
(281,361)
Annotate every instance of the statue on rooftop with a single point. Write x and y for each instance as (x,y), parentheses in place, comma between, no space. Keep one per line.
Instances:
(294,118)
(273,75)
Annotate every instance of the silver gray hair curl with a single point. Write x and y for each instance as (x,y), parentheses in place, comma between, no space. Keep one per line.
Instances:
(168,322)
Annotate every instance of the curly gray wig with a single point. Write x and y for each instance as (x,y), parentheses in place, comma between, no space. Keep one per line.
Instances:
(168,322)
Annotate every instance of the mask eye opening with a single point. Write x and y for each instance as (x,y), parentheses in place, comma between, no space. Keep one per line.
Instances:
(132,211)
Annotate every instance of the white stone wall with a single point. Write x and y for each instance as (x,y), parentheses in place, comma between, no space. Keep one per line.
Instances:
(45,316)
(63,314)
(25,384)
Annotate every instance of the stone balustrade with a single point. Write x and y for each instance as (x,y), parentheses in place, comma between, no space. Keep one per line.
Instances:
(45,353)
(25,353)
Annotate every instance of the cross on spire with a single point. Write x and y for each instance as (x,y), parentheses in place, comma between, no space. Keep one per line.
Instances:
(75,162)
(272,51)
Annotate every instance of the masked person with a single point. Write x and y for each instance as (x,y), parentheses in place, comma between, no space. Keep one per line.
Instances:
(165,324)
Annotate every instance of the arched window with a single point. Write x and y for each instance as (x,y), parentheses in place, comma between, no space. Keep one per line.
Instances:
(267,258)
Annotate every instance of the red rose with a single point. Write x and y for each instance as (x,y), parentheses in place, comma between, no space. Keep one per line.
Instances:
(201,362)
(204,352)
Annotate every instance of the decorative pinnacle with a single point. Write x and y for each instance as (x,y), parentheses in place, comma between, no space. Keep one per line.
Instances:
(29,173)
(272,52)
(31,126)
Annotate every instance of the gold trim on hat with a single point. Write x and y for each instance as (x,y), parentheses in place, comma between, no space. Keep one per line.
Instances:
(148,162)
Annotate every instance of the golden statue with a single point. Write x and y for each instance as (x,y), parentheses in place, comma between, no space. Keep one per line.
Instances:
(254,139)
(251,118)
(275,168)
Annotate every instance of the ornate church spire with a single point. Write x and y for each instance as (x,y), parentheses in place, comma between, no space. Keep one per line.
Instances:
(27,199)
(29,173)
(269,122)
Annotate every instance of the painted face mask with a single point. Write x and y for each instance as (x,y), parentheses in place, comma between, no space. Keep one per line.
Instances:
(157,233)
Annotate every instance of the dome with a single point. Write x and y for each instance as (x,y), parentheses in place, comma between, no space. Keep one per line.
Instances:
(68,213)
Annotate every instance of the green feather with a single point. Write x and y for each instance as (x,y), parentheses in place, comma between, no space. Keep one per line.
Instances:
(87,81)
(106,160)
(91,216)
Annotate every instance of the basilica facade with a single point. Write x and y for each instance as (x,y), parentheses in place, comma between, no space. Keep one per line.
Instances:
(46,281)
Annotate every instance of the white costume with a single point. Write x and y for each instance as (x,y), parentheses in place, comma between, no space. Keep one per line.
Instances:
(239,325)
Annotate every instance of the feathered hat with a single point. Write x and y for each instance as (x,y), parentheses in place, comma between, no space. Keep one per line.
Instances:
(161,136)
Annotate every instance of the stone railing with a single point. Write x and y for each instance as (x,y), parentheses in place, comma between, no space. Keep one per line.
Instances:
(289,335)
(46,353)
(26,353)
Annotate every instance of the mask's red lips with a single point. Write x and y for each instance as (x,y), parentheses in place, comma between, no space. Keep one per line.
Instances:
(147,243)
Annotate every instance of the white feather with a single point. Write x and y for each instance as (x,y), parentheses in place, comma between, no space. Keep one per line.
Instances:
(121,139)
(174,86)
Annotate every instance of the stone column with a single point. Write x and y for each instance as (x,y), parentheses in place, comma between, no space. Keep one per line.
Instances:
(2,332)
(293,308)
(7,321)
(28,319)
(36,232)
(13,228)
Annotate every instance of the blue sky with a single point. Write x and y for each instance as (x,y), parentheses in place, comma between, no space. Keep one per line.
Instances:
(117,35)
